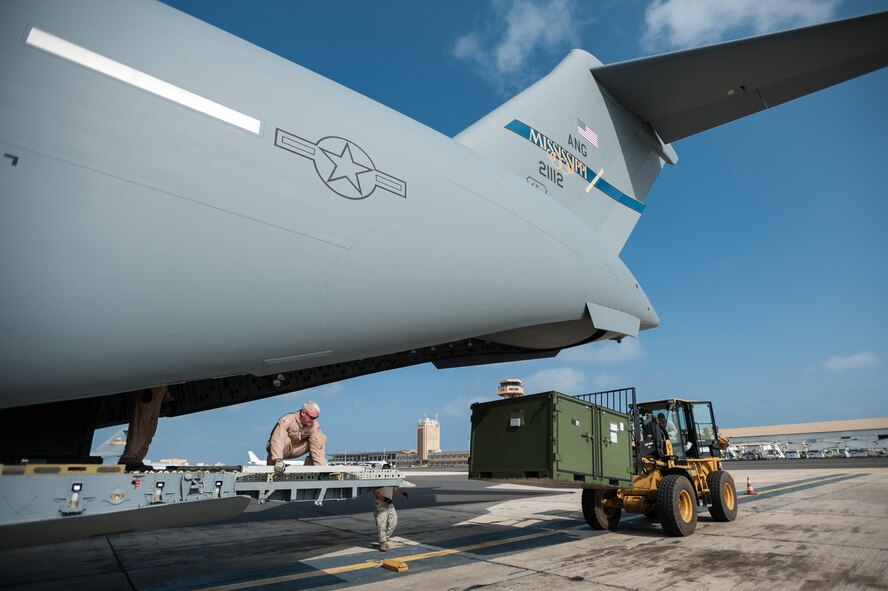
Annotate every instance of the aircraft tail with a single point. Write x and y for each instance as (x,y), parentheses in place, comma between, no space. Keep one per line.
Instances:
(254,459)
(577,145)
(591,136)
(113,447)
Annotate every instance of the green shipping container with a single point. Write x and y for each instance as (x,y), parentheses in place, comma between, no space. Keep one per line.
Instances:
(551,440)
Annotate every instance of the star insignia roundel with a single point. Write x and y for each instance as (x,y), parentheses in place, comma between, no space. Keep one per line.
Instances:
(342,165)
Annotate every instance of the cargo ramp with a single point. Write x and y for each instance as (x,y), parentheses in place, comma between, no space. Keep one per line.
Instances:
(45,503)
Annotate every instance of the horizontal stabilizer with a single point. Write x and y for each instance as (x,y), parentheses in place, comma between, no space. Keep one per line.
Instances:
(686,92)
(613,320)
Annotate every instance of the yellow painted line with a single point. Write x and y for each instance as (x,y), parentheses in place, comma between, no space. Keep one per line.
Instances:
(374,563)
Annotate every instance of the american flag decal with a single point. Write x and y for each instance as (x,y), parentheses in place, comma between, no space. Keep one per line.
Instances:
(586,131)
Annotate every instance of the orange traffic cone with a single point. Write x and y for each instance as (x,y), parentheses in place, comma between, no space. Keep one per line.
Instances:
(749,489)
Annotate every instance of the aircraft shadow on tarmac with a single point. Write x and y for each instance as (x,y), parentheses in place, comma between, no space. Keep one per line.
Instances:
(420,497)
(472,492)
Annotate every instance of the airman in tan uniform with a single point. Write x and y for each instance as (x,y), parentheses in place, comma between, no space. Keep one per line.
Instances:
(295,434)
(385,515)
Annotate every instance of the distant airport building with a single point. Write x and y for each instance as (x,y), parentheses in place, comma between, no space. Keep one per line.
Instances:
(428,438)
(428,452)
(510,388)
(449,459)
(822,439)
(875,429)
(365,457)
(174,461)
(408,459)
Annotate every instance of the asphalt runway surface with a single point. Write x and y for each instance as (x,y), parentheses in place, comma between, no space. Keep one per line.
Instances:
(813,524)
(439,489)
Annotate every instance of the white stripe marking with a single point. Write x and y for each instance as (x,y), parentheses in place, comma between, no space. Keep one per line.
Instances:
(133,77)
(595,180)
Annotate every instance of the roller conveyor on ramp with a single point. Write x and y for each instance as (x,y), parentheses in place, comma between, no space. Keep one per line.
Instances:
(43,503)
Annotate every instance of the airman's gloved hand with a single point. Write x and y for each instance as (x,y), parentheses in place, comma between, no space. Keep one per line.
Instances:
(279,467)
(388,501)
(406,496)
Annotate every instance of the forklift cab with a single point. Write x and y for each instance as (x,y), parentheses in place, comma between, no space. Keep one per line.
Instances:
(687,424)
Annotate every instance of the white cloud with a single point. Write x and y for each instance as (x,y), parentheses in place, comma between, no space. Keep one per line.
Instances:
(331,390)
(468,47)
(608,352)
(690,23)
(562,379)
(328,391)
(461,405)
(856,361)
(524,27)
(609,381)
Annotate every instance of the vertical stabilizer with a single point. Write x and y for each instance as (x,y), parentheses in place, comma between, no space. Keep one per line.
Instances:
(112,449)
(577,145)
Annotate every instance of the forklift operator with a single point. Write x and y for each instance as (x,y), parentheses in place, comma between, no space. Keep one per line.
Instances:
(671,431)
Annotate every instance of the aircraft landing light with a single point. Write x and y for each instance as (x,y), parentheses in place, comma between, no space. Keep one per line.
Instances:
(99,63)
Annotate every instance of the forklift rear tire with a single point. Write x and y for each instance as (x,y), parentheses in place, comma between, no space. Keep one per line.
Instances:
(597,516)
(677,505)
(724,496)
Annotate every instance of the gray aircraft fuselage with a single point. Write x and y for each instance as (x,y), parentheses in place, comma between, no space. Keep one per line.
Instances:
(152,244)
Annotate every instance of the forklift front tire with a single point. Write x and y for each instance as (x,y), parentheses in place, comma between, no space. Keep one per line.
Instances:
(598,516)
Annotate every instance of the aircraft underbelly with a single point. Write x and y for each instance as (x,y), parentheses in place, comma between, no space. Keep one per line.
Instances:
(553,335)
(478,255)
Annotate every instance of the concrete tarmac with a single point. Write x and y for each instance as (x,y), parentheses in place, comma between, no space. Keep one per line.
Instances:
(821,526)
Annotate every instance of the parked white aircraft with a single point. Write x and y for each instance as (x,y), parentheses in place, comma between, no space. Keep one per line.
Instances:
(257,461)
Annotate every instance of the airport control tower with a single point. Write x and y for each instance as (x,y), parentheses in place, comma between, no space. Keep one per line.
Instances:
(428,438)
(510,388)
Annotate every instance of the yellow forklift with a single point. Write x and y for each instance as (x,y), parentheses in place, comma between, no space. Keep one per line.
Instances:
(678,467)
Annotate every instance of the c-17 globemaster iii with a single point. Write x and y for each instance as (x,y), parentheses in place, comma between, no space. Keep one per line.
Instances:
(182,208)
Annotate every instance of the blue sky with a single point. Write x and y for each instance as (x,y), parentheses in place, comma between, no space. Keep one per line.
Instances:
(764,251)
